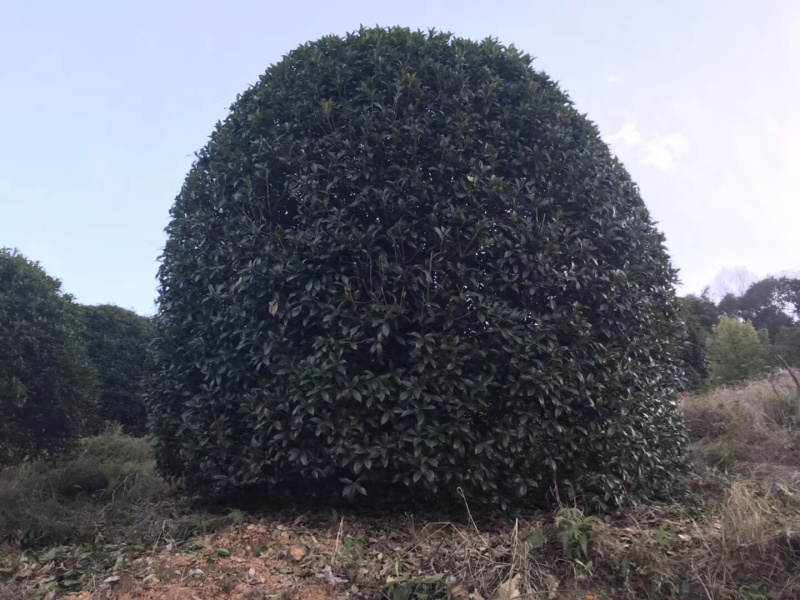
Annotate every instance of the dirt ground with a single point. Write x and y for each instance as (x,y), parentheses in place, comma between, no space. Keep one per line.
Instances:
(258,562)
(295,557)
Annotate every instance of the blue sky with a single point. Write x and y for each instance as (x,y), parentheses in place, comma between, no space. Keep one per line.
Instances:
(102,105)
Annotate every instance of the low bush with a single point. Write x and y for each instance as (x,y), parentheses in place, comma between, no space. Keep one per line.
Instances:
(108,483)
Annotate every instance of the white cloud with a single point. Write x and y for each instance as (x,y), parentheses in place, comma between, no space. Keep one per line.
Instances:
(629,135)
(612,79)
(664,153)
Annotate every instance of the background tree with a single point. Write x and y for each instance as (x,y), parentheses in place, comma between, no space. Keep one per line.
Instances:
(787,347)
(48,387)
(790,296)
(405,257)
(764,304)
(736,352)
(700,315)
(770,304)
(116,341)
(731,281)
(729,305)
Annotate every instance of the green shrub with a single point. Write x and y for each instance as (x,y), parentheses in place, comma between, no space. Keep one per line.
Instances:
(736,352)
(407,258)
(116,340)
(48,387)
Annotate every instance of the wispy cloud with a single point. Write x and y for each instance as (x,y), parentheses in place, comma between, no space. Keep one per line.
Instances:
(664,152)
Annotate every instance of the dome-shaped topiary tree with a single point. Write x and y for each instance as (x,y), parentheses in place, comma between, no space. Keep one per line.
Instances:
(48,387)
(405,257)
(116,341)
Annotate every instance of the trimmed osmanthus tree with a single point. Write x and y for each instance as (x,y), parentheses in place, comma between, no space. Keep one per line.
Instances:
(48,386)
(406,257)
(116,341)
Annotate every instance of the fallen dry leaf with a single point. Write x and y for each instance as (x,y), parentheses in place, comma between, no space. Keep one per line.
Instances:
(298,553)
(509,590)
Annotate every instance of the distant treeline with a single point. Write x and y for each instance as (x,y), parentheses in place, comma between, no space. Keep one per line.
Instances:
(742,336)
(65,369)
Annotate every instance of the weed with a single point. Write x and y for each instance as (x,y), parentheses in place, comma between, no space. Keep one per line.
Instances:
(403,587)
(735,428)
(576,531)
(198,524)
(754,592)
(662,538)
(536,540)
(353,552)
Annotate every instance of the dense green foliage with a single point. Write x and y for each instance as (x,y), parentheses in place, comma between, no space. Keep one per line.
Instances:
(48,388)
(699,315)
(407,258)
(736,351)
(786,349)
(116,340)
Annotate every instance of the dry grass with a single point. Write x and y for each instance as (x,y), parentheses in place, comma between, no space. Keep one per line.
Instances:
(747,430)
(109,485)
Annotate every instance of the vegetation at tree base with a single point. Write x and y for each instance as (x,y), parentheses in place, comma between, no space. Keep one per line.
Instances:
(116,341)
(736,351)
(405,257)
(48,387)
(100,522)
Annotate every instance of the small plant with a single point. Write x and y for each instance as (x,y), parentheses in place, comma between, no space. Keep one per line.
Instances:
(403,587)
(755,592)
(536,540)
(198,524)
(662,538)
(576,531)
(353,552)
